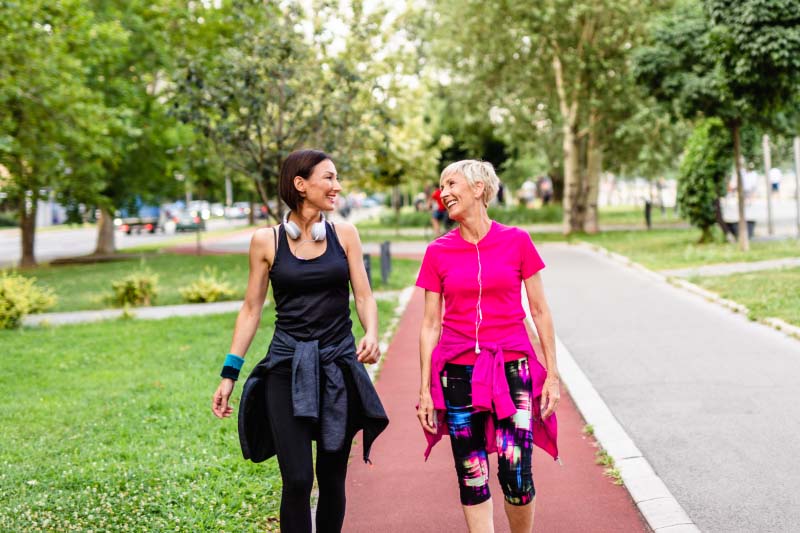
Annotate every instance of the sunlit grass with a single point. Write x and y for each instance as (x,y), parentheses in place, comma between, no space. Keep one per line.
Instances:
(108,427)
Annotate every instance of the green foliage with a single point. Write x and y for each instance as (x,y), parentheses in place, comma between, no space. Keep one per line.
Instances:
(139,288)
(702,177)
(738,61)
(512,216)
(209,287)
(20,296)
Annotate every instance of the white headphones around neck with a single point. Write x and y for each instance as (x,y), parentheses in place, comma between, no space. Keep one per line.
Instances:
(318,230)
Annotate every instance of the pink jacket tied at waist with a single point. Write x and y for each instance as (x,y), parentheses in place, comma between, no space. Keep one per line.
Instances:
(490,388)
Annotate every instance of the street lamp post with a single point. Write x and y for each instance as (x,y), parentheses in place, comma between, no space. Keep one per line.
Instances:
(767,168)
(797,182)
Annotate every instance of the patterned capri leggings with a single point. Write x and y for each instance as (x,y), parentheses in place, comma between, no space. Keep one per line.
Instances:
(468,436)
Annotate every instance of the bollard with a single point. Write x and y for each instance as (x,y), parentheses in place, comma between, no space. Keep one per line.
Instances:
(368,267)
(386,262)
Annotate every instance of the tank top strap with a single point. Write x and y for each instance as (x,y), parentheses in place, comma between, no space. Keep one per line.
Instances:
(334,238)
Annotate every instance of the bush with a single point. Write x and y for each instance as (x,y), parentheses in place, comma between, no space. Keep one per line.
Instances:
(209,287)
(19,296)
(511,216)
(702,174)
(139,288)
(8,220)
(518,215)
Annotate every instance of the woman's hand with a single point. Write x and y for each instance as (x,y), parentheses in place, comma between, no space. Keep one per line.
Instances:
(550,395)
(368,350)
(426,413)
(219,404)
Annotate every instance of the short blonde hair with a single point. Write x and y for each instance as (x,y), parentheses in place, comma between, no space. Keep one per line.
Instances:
(475,171)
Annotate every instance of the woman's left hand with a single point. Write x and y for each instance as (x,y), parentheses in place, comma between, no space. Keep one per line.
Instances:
(551,394)
(368,350)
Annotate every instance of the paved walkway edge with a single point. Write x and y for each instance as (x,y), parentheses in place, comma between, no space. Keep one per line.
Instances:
(775,323)
(656,503)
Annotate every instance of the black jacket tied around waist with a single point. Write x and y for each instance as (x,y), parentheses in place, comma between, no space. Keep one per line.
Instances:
(330,411)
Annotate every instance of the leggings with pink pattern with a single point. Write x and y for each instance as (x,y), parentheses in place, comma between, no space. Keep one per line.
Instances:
(468,436)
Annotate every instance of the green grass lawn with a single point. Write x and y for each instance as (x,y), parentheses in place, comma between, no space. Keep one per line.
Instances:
(634,215)
(766,293)
(86,286)
(678,248)
(108,427)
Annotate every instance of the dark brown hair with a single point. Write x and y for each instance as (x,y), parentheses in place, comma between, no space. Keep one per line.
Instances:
(299,163)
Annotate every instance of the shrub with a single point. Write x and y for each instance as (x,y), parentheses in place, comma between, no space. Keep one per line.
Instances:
(19,296)
(139,288)
(517,215)
(702,174)
(209,287)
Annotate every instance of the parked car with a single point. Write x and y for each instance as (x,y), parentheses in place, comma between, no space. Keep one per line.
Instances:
(200,208)
(149,218)
(186,221)
(237,210)
(217,210)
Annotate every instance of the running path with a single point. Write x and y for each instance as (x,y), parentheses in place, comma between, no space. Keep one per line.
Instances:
(402,493)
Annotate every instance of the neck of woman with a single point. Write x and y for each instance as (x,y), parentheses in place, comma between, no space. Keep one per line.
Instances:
(474,228)
(305,217)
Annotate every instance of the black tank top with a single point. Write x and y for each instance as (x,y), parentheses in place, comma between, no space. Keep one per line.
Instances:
(312,296)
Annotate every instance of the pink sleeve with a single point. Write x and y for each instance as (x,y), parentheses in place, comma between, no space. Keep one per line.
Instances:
(531,261)
(429,278)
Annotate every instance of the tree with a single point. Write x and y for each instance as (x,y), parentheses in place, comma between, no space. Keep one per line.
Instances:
(56,127)
(264,87)
(735,60)
(555,73)
(702,177)
(131,76)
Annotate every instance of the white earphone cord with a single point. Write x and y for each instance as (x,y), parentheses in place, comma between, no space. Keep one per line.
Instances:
(478,312)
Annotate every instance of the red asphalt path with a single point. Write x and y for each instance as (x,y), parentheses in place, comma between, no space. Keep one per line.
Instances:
(403,493)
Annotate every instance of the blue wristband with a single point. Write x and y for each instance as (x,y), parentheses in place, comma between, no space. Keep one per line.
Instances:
(231,367)
(234,360)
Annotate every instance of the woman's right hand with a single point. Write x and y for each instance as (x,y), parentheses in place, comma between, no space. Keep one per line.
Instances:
(426,413)
(219,404)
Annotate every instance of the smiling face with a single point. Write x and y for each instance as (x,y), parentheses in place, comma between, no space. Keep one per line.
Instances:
(321,188)
(459,197)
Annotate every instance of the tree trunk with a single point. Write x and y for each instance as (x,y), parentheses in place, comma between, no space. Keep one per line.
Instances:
(571,180)
(105,234)
(594,165)
(569,118)
(27,224)
(744,242)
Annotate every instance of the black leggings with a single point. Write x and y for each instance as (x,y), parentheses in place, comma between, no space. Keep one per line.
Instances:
(292,437)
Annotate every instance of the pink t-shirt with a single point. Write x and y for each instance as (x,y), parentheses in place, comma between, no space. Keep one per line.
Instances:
(507,258)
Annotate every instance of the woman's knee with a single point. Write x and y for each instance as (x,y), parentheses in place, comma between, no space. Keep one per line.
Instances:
(298,482)
(517,488)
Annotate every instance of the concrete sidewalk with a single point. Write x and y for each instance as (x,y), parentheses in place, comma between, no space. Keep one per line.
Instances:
(709,397)
(402,493)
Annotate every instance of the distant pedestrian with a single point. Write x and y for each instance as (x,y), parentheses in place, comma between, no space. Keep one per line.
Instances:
(439,218)
(544,187)
(312,384)
(481,381)
(775,177)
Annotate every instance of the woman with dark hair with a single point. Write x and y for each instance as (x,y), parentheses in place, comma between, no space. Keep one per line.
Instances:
(312,384)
